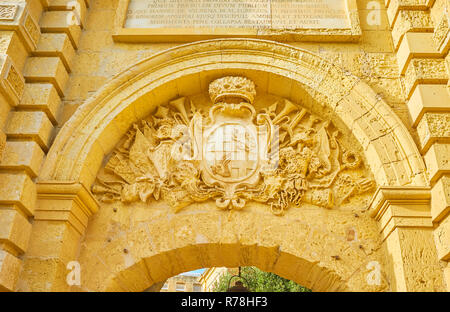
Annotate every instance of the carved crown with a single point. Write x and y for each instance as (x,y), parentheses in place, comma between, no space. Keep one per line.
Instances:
(235,87)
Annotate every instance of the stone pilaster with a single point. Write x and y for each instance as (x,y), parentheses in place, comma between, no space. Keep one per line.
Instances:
(407,231)
(61,218)
(422,46)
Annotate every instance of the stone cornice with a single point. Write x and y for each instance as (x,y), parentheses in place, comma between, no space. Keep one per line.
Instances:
(405,207)
(65,201)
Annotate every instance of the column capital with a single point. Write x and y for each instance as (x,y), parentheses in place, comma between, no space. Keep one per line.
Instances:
(65,201)
(401,207)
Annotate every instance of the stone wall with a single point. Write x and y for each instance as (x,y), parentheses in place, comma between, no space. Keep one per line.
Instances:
(51,68)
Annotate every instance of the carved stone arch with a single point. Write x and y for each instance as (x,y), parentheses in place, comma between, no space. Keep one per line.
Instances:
(96,128)
(311,275)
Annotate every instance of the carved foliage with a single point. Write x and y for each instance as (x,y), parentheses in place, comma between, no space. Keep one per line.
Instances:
(282,156)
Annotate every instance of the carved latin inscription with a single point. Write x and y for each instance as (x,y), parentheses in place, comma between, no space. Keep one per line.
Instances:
(259,14)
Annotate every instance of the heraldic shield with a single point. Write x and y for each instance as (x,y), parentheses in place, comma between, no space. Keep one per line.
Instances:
(233,149)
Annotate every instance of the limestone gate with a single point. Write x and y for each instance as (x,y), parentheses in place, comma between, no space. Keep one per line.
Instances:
(141,139)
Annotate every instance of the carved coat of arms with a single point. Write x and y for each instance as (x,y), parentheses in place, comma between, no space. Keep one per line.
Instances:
(282,156)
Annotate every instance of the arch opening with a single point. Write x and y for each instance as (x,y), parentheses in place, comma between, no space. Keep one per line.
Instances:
(309,246)
(139,278)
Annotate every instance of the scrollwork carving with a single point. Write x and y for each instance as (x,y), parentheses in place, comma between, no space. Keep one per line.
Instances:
(282,156)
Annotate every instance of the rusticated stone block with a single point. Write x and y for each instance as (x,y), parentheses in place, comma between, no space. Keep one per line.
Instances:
(32,126)
(56,45)
(26,156)
(15,229)
(427,98)
(447,276)
(433,128)
(424,71)
(17,17)
(415,45)
(395,6)
(442,239)
(80,9)
(437,161)
(442,33)
(42,97)
(410,21)
(11,81)
(11,45)
(58,22)
(2,143)
(9,271)
(47,69)
(18,189)
(440,199)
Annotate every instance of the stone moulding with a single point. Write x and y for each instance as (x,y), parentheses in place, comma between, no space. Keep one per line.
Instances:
(77,153)
(122,34)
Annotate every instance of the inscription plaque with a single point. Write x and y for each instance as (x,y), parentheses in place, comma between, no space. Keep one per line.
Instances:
(268,14)
(185,20)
